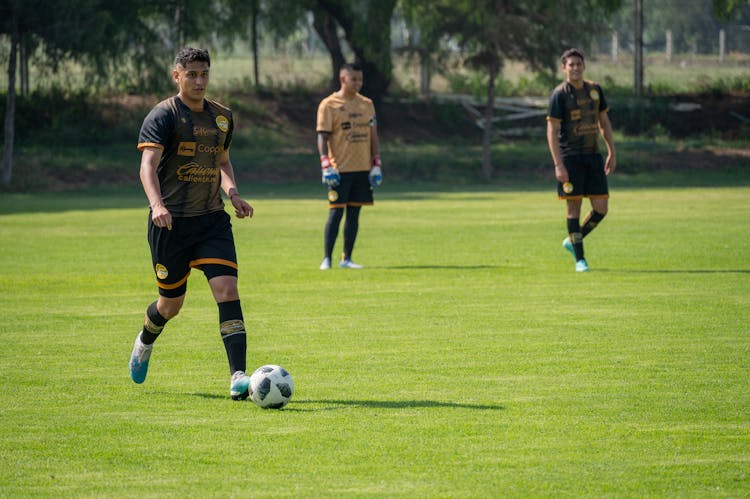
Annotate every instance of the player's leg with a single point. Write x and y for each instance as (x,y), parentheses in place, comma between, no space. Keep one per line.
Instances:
(335,214)
(598,191)
(575,237)
(599,208)
(233,333)
(360,194)
(170,263)
(351,228)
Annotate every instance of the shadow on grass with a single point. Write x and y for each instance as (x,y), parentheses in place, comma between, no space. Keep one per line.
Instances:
(336,404)
(675,271)
(438,267)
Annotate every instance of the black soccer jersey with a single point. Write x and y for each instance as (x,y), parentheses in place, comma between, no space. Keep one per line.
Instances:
(191,142)
(578,112)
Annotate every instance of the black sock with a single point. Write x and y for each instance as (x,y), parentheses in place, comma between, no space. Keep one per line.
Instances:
(232,328)
(351,227)
(576,238)
(332,230)
(590,221)
(152,325)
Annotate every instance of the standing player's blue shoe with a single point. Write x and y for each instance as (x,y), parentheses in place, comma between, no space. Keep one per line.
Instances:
(582,266)
(569,246)
(348,264)
(139,360)
(239,387)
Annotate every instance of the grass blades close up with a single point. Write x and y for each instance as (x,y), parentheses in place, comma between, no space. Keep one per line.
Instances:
(467,359)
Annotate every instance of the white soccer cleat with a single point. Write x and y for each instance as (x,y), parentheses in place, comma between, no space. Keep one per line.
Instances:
(348,264)
(325,264)
(139,360)
(239,386)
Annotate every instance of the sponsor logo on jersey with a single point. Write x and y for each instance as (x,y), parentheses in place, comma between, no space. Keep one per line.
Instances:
(186,149)
(346,125)
(193,172)
(575,114)
(223,123)
(210,149)
(161,271)
(594,94)
(333,196)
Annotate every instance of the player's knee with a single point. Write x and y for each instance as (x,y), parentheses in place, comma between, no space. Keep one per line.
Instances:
(169,308)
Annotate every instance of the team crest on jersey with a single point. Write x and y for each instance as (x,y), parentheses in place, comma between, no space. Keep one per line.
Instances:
(333,196)
(594,94)
(161,271)
(223,123)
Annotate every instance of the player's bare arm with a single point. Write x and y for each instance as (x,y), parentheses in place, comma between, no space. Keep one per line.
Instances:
(323,143)
(242,208)
(605,129)
(553,141)
(149,163)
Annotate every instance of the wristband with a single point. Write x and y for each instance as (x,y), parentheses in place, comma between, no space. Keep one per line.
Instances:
(325,161)
(376,160)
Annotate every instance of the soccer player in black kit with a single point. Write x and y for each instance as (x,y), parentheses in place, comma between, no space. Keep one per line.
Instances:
(185,165)
(577,116)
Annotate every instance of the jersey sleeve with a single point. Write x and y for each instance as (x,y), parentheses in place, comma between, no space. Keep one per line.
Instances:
(325,118)
(556,106)
(156,128)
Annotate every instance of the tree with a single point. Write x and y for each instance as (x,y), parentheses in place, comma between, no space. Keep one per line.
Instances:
(489,32)
(367,29)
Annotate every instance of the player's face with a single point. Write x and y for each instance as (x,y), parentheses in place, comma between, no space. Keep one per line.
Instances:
(351,82)
(573,68)
(192,81)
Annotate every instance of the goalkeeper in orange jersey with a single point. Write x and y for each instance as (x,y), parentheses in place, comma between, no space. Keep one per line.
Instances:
(349,159)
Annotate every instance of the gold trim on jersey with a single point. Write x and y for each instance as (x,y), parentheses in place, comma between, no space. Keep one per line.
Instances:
(144,145)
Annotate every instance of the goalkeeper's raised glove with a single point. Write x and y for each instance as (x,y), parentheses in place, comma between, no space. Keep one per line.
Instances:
(331,176)
(376,173)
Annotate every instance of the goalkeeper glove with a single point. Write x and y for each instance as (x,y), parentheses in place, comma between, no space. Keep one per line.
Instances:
(376,173)
(331,176)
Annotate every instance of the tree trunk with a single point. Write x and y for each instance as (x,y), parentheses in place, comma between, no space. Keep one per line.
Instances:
(10,106)
(325,26)
(23,56)
(369,37)
(638,63)
(489,111)
(254,42)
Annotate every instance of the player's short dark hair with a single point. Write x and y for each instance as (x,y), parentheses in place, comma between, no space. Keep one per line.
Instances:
(351,66)
(571,53)
(190,54)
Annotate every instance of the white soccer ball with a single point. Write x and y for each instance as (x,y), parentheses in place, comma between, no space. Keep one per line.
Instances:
(271,387)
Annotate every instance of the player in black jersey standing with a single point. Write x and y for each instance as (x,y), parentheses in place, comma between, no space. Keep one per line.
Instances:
(577,116)
(184,167)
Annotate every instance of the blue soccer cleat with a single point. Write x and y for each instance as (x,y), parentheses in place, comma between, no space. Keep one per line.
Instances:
(582,266)
(569,246)
(348,264)
(139,360)
(239,386)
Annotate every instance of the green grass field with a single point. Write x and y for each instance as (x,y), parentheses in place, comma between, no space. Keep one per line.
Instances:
(467,360)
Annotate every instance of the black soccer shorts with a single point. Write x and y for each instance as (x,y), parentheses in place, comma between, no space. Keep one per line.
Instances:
(586,177)
(204,242)
(353,190)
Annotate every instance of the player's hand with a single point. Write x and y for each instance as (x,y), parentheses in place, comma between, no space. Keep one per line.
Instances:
(331,176)
(610,164)
(161,217)
(375,177)
(242,208)
(561,173)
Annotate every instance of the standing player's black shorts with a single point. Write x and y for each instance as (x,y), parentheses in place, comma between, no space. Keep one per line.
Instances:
(353,190)
(204,242)
(586,174)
